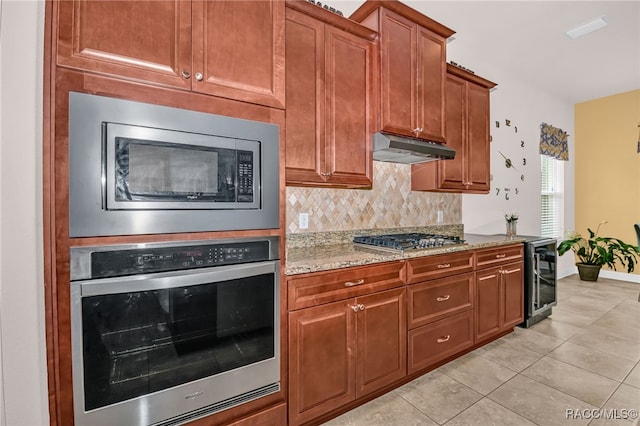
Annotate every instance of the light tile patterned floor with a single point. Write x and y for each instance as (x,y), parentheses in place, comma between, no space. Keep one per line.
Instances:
(585,358)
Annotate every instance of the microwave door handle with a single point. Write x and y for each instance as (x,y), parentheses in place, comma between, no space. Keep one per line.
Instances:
(175,279)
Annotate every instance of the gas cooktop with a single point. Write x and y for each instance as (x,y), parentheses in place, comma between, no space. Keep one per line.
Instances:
(405,242)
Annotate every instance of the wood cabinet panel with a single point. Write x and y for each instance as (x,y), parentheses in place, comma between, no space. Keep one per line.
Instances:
(499,290)
(335,352)
(231,49)
(274,416)
(432,267)
(467,132)
(488,302)
(305,130)
(143,40)
(382,340)
(434,300)
(434,342)
(238,47)
(331,114)
(431,62)
(322,287)
(398,73)
(322,350)
(513,313)
(499,255)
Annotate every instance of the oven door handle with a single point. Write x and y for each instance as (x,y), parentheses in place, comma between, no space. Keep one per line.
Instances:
(173,279)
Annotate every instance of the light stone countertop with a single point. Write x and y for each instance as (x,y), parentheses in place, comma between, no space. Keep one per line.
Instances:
(301,260)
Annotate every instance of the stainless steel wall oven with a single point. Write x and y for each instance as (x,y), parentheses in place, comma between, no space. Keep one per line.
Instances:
(165,333)
(137,168)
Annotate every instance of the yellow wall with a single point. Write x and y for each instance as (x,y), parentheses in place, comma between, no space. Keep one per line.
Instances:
(607,166)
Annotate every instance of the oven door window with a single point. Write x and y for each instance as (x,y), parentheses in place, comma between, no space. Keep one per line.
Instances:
(141,342)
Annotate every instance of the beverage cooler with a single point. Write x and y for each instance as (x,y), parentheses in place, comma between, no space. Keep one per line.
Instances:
(540,279)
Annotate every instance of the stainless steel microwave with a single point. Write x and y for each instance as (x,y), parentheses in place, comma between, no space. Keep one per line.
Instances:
(137,168)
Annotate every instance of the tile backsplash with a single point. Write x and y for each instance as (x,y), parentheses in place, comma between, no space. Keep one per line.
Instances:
(389,204)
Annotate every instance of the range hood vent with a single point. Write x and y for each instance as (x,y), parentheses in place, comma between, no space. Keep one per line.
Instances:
(401,149)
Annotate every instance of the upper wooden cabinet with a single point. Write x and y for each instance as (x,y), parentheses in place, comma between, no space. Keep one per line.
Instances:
(466,131)
(413,60)
(232,49)
(330,98)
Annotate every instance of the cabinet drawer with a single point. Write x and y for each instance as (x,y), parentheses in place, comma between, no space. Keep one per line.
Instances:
(431,267)
(433,300)
(499,255)
(274,416)
(329,286)
(434,342)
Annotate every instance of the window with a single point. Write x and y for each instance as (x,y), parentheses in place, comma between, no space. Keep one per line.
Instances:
(551,200)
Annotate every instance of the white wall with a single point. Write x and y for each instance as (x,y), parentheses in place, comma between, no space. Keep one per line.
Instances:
(526,106)
(23,373)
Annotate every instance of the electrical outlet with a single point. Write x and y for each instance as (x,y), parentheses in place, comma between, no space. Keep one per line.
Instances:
(440,216)
(303,221)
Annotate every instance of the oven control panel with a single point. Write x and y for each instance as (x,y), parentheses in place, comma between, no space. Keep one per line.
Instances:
(159,259)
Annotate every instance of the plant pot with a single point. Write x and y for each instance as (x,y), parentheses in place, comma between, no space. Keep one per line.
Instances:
(588,272)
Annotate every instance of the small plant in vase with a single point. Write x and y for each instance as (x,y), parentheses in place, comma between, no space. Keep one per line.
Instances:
(512,221)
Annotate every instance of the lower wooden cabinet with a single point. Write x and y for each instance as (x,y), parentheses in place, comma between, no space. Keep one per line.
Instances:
(343,350)
(434,342)
(274,416)
(499,299)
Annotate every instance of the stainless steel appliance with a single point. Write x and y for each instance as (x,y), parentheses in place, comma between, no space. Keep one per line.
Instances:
(540,279)
(406,242)
(136,168)
(166,333)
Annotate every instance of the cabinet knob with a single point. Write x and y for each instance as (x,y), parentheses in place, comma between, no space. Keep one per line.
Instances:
(186,74)
(355,308)
(199,76)
(352,283)
(443,338)
(443,298)
(361,306)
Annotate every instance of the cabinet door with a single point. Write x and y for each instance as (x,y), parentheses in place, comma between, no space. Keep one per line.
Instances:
(488,312)
(349,117)
(451,173)
(381,340)
(477,141)
(238,50)
(513,298)
(321,360)
(430,85)
(141,40)
(305,130)
(398,74)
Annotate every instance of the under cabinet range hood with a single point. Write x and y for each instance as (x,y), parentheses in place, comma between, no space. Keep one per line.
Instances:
(401,149)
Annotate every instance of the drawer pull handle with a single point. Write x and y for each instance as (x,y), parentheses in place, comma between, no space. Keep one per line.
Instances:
(443,298)
(352,283)
(500,256)
(444,339)
(444,265)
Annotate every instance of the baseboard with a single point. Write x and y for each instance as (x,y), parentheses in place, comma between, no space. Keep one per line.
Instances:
(605,273)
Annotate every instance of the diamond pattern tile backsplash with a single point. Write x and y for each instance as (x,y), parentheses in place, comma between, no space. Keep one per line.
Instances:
(389,204)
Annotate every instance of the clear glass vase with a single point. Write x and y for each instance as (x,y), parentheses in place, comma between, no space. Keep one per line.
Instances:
(512,229)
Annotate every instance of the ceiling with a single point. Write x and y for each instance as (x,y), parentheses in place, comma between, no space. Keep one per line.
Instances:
(527,40)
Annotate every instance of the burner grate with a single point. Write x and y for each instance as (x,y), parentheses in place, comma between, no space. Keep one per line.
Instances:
(403,242)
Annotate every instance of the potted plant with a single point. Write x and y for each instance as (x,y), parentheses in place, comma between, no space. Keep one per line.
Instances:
(594,252)
(512,221)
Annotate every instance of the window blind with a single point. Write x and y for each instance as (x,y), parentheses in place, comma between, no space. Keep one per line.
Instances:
(551,200)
